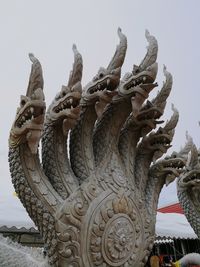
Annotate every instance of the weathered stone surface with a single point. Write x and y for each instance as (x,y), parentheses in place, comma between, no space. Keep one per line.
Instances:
(188,185)
(96,207)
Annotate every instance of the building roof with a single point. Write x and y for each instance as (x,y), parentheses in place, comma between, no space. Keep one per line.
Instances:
(173,225)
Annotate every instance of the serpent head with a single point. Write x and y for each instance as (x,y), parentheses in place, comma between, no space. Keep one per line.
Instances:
(151,111)
(28,124)
(65,108)
(159,142)
(188,182)
(107,79)
(168,168)
(190,179)
(140,81)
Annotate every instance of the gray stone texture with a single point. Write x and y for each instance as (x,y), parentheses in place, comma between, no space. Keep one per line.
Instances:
(95,205)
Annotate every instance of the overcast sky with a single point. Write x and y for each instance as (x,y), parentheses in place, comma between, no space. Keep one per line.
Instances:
(49,28)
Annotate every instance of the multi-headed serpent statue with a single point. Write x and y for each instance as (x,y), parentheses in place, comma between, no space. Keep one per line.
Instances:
(95,205)
(188,185)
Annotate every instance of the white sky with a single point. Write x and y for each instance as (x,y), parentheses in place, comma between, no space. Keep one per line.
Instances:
(49,28)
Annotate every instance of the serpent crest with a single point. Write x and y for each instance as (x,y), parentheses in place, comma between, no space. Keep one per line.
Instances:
(94,195)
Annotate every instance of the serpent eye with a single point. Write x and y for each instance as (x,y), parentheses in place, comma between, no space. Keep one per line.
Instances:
(174,155)
(101,75)
(136,69)
(23,102)
(160,131)
(63,92)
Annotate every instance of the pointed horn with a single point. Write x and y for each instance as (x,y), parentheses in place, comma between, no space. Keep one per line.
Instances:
(77,69)
(171,124)
(161,99)
(194,162)
(36,77)
(152,51)
(118,58)
(188,145)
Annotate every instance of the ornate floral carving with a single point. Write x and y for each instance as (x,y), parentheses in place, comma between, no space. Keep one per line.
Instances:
(97,207)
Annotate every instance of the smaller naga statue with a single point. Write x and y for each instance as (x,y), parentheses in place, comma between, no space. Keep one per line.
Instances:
(188,185)
(94,195)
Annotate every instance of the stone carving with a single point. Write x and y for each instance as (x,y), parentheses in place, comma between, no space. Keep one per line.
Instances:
(96,207)
(61,115)
(31,185)
(188,185)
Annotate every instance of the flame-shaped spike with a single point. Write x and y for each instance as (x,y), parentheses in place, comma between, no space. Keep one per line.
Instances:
(77,69)
(152,51)
(119,56)
(171,124)
(36,77)
(193,161)
(188,145)
(161,99)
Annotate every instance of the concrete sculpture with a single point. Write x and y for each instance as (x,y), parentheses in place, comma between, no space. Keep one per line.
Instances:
(188,185)
(96,205)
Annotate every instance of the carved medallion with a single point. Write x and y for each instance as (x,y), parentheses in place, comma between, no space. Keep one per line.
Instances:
(114,232)
(118,240)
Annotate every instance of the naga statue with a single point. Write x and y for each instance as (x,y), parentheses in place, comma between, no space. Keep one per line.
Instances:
(188,185)
(94,194)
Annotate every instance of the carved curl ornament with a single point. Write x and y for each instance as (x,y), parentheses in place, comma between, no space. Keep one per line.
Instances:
(95,205)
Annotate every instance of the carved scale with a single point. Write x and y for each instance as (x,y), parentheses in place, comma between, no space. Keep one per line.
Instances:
(188,185)
(97,208)
(61,115)
(31,185)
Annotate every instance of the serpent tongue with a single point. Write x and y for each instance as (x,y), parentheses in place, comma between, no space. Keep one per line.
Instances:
(33,138)
(137,102)
(104,99)
(160,152)
(68,124)
(71,119)
(170,178)
(141,94)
